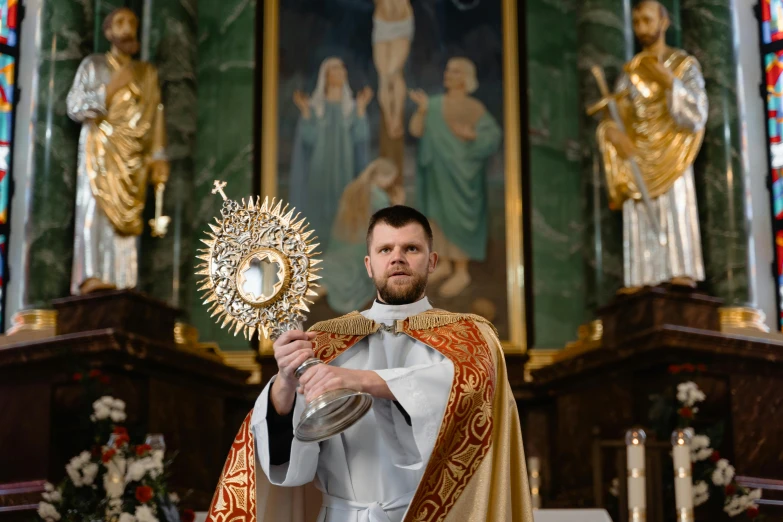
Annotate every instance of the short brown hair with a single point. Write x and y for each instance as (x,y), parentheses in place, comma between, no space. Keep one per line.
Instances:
(398,216)
(110,17)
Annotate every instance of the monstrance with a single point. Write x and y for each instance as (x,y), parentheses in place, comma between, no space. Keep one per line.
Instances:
(259,269)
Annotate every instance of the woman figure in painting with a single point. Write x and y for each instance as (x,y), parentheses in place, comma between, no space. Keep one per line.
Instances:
(392,33)
(345,281)
(331,145)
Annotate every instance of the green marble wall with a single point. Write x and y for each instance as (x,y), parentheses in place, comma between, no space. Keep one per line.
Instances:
(65,38)
(166,266)
(708,33)
(605,40)
(225,76)
(559,291)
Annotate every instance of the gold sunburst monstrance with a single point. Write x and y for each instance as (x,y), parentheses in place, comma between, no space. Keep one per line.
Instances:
(259,266)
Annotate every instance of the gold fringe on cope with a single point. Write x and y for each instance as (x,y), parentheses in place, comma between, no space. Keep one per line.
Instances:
(356,324)
(349,324)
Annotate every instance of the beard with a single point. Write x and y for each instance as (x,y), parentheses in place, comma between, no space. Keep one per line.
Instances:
(128,45)
(400,293)
(646,40)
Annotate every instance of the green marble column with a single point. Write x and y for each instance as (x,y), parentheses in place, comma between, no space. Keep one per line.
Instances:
(225,139)
(64,28)
(555,199)
(709,33)
(605,38)
(166,266)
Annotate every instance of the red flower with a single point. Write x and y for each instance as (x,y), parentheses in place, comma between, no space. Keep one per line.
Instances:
(143,449)
(688,367)
(108,455)
(121,440)
(104,379)
(78,376)
(731,489)
(188,515)
(715,457)
(753,512)
(674,369)
(94,373)
(701,367)
(685,412)
(143,494)
(119,430)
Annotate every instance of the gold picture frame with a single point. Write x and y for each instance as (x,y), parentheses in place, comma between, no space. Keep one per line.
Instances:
(515,267)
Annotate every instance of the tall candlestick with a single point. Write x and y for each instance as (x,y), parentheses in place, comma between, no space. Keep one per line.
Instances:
(683,480)
(637,503)
(534,469)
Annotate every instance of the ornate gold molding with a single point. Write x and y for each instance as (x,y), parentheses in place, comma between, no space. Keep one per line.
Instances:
(539,358)
(743,318)
(244,360)
(33,321)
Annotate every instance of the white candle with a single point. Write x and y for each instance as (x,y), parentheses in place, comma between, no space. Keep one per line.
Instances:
(683,480)
(637,503)
(534,469)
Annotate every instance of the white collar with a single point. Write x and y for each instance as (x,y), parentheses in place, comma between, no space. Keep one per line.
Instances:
(385,313)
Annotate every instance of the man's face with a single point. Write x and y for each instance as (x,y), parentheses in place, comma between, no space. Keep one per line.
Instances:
(399,262)
(122,33)
(648,24)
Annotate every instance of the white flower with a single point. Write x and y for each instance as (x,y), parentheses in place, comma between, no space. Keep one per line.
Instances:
(737,504)
(48,487)
(108,400)
(688,393)
(89,471)
(701,493)
(136,470)
(127,517)
(118,404)
(174,498)
(145,514)
(754,494)
(47,512)
(101,411)
(117,415)
(723,474)
(114,508)
(700,448)
(53,496)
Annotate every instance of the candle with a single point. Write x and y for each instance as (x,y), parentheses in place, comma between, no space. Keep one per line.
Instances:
(683,481)
(637,504)
(534,469)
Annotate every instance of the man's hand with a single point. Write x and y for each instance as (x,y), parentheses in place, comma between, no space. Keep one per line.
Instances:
(291,350)
(119,79)
(159,172)
(323,378)
(621,142)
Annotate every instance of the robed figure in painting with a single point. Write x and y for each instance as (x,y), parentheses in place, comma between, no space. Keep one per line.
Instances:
(442,441)
(663,104)
(331,145)
(457,137)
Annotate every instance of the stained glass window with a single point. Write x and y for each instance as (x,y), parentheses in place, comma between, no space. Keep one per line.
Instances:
(8,20)
(6,127)
(773,65)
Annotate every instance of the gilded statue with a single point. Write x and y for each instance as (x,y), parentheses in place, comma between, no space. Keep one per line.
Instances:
(660,112)
(121,150)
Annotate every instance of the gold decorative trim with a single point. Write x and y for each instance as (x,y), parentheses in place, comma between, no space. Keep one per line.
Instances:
(437,318)
(637,514)
(33,321)
(682,473)
(539,358)
(244,360)
(185,334)
(515,268)
(349,324)
(743,318)
(637,473)
(684,514)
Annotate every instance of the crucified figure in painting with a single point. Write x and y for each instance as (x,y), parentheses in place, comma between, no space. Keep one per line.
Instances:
(392,34)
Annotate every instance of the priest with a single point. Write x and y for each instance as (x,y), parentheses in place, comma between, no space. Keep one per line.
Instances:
(442,441)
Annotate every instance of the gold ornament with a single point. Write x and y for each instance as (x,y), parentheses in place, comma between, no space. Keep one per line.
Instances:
(259,266)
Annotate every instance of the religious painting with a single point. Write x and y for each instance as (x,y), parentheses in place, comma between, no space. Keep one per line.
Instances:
(371,103)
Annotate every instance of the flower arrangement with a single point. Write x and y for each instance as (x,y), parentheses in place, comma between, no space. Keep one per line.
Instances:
(114,482)
(716,473)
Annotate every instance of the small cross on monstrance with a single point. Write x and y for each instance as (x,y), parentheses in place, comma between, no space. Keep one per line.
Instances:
(219,186)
